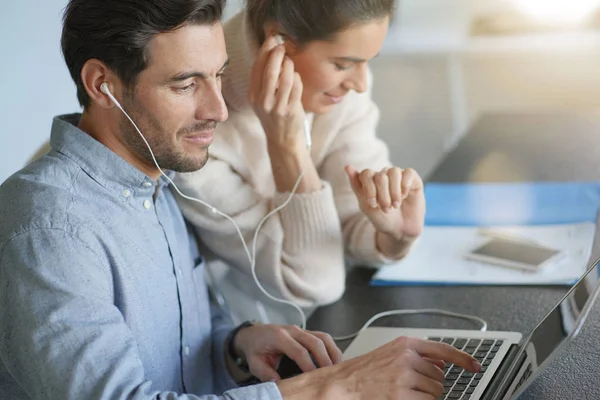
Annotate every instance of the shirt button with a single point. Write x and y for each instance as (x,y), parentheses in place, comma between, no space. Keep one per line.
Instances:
(179,271)
(126,192)
(187,350)
(147,204)
(147,184)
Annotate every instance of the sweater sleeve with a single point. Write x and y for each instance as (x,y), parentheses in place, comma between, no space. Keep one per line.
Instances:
(299,250)
(357,144)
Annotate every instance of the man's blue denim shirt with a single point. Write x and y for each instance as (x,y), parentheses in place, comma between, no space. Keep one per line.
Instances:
(102,290)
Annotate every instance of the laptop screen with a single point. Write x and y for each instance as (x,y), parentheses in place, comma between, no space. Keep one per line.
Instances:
(558,325)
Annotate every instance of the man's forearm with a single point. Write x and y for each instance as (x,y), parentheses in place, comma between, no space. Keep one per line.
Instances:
(321,384)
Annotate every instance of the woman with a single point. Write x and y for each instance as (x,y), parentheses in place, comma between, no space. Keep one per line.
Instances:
(351,203)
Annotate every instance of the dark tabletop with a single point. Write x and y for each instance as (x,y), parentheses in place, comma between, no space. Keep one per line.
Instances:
(499,148)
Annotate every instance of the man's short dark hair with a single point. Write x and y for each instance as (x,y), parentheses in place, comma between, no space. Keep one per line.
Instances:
(117,32)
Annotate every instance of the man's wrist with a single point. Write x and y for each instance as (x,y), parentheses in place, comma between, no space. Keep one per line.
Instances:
(324,383)
(233,351)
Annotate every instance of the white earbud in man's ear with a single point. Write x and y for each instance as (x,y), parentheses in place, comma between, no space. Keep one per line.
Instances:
(104,89)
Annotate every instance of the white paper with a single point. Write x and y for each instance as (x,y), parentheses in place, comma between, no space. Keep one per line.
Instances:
(438,257)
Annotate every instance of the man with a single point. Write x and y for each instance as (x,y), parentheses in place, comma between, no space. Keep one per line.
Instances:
(101,285)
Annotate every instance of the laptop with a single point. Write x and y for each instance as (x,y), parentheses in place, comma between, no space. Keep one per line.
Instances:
(510,360)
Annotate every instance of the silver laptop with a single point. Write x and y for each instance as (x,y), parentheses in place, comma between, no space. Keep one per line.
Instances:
(510,361)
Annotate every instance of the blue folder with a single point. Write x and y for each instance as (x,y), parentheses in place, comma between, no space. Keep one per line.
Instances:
(528,203)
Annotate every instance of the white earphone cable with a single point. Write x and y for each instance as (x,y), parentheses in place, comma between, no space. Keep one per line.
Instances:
(252,255)
(432,311)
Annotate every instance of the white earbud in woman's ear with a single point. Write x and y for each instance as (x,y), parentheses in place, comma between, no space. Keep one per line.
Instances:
(104,89)
(280,38)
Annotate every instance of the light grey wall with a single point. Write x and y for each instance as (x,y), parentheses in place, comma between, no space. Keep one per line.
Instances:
(34,82)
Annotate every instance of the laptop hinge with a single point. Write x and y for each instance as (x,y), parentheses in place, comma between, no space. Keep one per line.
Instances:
(494,389)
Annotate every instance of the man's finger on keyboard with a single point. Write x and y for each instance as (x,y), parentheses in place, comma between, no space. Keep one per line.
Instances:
(443,351)
(438,363)
(432,371)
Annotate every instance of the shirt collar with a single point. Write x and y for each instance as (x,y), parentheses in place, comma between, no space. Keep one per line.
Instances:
(98,161)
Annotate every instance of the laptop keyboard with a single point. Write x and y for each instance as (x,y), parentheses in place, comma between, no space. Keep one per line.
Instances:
(460,384)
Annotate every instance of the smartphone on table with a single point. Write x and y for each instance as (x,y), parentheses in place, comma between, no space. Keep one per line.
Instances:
(515,253)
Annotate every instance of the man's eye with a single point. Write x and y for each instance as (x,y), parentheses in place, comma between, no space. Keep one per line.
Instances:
(187,88)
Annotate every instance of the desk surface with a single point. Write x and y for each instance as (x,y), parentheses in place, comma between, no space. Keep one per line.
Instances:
(508,147)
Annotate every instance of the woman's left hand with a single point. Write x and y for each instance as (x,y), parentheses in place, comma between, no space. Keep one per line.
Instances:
(393,199)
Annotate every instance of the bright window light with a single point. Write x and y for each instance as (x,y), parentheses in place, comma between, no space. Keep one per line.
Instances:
(558,11)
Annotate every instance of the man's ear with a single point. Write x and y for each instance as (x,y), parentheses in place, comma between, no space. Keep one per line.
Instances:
(93,74)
